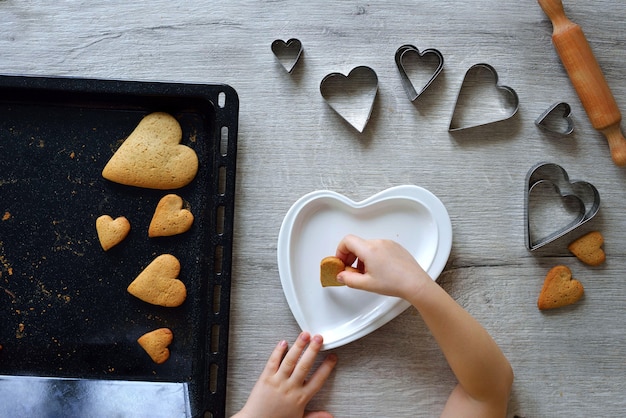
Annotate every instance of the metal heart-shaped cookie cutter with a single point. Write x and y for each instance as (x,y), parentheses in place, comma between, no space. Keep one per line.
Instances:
(582,192)
(351,96)
(287,53)
(402,53)
(509,98)
(557,119)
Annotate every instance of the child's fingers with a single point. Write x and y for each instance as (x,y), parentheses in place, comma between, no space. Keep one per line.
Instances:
(307,360)
(348,248)
(293,355)
(273,363)
(353,279)
(319,377)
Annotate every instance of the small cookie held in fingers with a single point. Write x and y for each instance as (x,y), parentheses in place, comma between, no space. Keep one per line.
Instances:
(559,289)
(330,267)
(588,248)
(170,218)
(156,344)
(111,231)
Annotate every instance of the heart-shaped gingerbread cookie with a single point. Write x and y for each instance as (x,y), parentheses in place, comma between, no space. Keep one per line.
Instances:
(170,218)
(559,289)
(153,157)
(588,248)
(156,344)
(158,283)
(111,231)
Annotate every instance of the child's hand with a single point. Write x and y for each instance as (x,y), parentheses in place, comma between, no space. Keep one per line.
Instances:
(283,389)
(387,267)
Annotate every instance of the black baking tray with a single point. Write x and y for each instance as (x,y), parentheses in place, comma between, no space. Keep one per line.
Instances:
(68,327)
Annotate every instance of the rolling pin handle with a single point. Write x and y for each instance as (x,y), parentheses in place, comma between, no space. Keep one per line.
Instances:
(617,144)
(553,9)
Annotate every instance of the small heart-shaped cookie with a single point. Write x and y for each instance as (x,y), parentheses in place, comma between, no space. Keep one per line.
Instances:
(170,218)
(111,231)
(330,267)
(153,157)
(559,289)
(158,284)
(588,248)
(156,344)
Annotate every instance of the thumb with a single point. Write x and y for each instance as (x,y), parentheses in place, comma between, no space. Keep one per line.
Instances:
(353,279)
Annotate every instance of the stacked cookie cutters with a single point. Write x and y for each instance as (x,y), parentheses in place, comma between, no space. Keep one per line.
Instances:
(578,196)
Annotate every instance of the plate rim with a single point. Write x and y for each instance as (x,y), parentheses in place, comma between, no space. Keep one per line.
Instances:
(412,192)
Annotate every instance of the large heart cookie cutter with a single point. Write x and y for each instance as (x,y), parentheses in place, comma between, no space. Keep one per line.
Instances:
(584,194)
(477,104)
(287,53)
(406,52)
(351,96)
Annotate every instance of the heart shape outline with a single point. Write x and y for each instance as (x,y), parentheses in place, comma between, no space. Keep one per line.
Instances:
(313,227)
(407,83)
(287,53)
(558,110)
(351,96)
(580,191)
(511,99)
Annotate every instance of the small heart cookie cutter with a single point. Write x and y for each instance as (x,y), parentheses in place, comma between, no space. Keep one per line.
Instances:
(351,96)
(582,192)
(511,102)
(557,119)
(402,53)
(287,53)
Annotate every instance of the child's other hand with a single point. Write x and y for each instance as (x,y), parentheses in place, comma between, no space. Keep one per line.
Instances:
(283,390)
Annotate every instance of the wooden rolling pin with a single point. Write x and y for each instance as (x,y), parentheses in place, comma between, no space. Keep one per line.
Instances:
(587,78)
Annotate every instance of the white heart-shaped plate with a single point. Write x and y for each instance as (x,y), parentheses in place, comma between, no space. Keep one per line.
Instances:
(311,230)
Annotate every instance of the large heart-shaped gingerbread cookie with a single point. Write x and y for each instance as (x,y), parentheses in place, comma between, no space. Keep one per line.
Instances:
(153,157)
(313,227)
(158,283)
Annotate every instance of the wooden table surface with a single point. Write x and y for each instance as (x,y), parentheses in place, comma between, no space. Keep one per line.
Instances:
(569,362)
